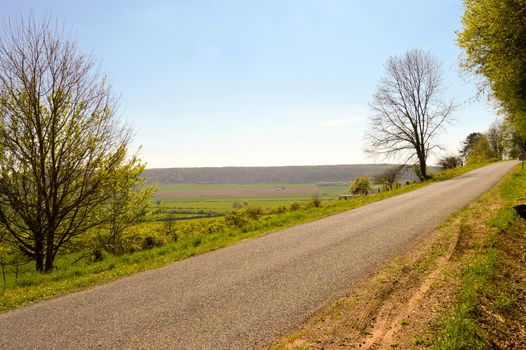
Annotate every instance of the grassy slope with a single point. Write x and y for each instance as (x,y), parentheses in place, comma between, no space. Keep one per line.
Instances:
(488,287)
(34,287)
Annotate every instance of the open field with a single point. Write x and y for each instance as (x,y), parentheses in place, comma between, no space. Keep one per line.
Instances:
(222,197)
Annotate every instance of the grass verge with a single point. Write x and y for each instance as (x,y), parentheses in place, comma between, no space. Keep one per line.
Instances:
(492,282)
(34,286)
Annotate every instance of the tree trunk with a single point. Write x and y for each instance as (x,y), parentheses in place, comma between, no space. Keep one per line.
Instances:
(422,164)
(423,169)
(39,258)
(39,255)
(49,251)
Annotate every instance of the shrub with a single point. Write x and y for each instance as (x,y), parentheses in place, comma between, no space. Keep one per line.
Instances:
(295,206)
(316,200)
(150,241)
(97,254)
(254,212)
(450,162)
(360,185)
(237,218)
(279,210)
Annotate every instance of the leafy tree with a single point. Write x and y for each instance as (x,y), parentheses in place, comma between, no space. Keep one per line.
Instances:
(468,143)
(481,151)
(361,185)
(409,111)
(518,145)
(129,199)
(499,138)
(493,39)
(62,144)
(450,162)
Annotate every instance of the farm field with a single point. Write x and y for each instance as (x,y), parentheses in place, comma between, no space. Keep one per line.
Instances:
(221,198)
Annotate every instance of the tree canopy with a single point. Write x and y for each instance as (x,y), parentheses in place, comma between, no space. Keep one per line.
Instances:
(61,141)
(494,42)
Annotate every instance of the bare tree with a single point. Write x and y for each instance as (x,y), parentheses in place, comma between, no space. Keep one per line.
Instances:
(60,138)
(389,177)
(409,111)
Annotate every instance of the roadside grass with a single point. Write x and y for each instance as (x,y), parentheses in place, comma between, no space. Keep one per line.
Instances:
(479,289)
(32,286)
(398,296)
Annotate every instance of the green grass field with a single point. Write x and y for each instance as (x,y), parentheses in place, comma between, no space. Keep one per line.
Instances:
(222,197)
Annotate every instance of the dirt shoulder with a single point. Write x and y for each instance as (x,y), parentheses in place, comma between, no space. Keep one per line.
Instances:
(407,304)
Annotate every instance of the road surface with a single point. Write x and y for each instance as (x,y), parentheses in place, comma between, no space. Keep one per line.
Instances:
(247,295)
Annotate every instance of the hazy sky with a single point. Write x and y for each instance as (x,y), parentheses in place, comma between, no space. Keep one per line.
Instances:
(220,83)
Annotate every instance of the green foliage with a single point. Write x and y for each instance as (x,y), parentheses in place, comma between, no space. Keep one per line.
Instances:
(62,145)
(360,185)
(493,40)
(450,162)
(237,218)
(480,151)
(295,206)
(129,199)
(468,143)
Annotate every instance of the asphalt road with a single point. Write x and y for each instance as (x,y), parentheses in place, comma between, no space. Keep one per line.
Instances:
(244,296)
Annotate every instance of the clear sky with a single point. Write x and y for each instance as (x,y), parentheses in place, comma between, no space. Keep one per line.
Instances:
(257,83)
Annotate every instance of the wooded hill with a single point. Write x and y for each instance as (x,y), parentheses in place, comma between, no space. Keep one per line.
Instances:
(274,174)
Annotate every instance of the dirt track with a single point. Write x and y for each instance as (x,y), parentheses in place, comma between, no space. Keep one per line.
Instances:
(247,295)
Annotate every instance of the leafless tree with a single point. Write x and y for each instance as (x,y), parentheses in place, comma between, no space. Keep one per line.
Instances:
(390,176)
(408,109)
(60,139)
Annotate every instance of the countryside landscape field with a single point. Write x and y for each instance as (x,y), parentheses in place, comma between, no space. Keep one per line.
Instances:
(250,175)
(219,190)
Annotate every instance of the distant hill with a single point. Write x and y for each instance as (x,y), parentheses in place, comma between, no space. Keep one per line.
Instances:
(274,174)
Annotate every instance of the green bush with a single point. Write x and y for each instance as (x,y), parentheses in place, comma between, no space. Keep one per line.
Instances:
(254,212)
(450,162)
(237,218)
(295,206)
(279,210)
(361,185)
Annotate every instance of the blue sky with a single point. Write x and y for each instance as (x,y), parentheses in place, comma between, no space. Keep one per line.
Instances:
(257,83)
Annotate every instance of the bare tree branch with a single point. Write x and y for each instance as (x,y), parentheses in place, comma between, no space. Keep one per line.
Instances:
(408,110)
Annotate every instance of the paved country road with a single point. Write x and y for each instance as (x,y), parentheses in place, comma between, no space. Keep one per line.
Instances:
(244,296)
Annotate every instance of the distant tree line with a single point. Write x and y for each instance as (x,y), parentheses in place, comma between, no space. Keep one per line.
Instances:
(284,174)
(497,143)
